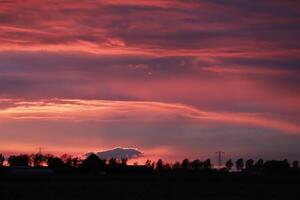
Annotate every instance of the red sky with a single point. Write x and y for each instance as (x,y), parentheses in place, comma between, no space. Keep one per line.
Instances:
(173,78)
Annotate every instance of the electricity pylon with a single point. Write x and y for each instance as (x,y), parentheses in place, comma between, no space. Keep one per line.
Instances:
(220,156)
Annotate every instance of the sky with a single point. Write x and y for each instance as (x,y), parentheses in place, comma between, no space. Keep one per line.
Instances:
(173,79)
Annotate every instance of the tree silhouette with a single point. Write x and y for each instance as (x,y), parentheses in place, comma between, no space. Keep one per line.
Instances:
(185,164)
(176,165)
(56,164)
(276,166)
(239,164)
(93,164)
(67,159)
(229,165)
(38,159)
(18,161)
(124,161)
(75,162)
(196,164)
(113,162)
(2,159)
(159,165)
(148,163)
(295,164)
(249,164)
(207,164)
(167,166)
(259,164)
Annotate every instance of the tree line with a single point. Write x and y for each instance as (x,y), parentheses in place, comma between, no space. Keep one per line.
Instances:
(95,164)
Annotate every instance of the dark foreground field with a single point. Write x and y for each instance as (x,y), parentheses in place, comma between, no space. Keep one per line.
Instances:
(96,179)
(147,189)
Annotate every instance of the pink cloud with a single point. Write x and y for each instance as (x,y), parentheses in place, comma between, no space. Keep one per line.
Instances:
(105,110)
(182,72)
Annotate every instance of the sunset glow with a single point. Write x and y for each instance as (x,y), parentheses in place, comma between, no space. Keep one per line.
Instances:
(172,78)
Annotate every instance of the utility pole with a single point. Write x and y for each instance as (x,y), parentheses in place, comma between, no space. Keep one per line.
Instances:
(220,156)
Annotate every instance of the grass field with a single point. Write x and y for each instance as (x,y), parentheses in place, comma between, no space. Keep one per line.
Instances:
(141,189)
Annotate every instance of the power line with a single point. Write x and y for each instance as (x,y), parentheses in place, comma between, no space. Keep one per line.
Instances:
(220,156)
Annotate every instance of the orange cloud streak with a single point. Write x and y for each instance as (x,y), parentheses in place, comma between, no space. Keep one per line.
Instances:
(106,110)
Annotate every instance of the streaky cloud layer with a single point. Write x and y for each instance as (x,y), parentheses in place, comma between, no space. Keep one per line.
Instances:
(107,110)
(172,78)
(80,126)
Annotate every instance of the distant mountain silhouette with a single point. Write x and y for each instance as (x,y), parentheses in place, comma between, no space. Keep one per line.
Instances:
(118,153)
